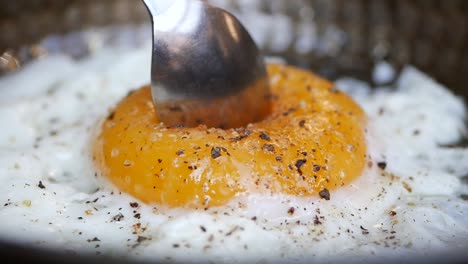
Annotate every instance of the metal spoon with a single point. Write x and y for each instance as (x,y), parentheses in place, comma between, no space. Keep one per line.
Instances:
(206,69)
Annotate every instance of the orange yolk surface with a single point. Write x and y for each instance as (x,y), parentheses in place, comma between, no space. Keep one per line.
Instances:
(313,140)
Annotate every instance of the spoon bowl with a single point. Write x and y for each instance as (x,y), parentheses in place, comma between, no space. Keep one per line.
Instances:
(206,68)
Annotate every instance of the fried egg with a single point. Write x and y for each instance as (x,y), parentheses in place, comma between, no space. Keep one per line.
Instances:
(311,141)
(408,200)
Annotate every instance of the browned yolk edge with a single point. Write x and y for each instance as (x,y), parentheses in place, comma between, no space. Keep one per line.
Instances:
(314,139)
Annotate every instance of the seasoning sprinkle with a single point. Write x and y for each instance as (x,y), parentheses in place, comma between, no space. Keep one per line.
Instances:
(325,194)
(118,217)
(40,185)
(215,152)
(95,239)
(269,147)
(364,230)
(299,164)
(265,136)
(382,165)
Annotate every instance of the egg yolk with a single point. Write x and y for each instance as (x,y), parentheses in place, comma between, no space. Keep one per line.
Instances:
(313,139)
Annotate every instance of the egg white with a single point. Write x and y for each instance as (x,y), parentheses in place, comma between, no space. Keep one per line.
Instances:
(52,198)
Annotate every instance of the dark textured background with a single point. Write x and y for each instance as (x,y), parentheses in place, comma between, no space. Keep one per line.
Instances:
(431,34)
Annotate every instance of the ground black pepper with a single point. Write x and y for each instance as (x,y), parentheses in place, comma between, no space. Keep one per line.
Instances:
(111,116)
(40,185)
(317,168)
(299,164)
(265,136)
(215,152)
(118,217)
(317,220)
(325,194)
(269,147)
(382,165)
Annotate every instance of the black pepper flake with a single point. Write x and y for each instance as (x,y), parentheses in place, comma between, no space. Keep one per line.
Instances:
(364,230)
(211,238)
(317,168)
(118,217)
(180,152)
(134,205)
(291,211)
(95,239)
(111,116)
(278,158)
(392,213)
(325,194)
(265,136)
(175,245)
(317,220)
(203,229)
(302,123)
(137,216)
(299,164)
(243,133)
(141,239)
(225,150)
(40,185)
(269,147)
(215,152)
(159,160)
(232,231)
(382,165)
(254,218)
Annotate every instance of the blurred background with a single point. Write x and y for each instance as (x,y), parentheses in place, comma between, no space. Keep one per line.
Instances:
(331,37)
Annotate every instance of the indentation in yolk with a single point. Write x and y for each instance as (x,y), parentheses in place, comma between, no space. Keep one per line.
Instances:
(313,139)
